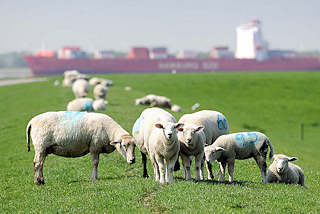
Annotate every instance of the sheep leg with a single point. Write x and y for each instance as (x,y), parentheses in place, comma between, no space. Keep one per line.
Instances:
(261,161)
(222,173)
(169,172)
(155,167)
(160,162)
(144,164)
(199,166)
(230,170)
(209,169)
(95,163)
(201,170)
(186,166)
(177,165)
(38,162)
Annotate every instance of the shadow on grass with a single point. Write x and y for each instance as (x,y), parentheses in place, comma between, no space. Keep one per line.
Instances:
(104,178)
(215,182)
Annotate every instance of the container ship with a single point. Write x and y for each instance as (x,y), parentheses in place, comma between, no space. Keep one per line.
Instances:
(252,54)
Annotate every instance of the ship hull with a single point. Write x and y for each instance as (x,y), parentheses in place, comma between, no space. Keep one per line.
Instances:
(55,66)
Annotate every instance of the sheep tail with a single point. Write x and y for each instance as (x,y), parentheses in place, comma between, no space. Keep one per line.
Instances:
(28,130)
(271,148)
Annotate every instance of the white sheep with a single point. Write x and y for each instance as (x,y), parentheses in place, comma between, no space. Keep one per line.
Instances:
(158,128)
(69,77)
(100,91)
(154,100)
(192,140)
(96,80)
(242,145)
(282,171)
(80,104)
(75,134)
(99,105)
(215,124)
(80,88)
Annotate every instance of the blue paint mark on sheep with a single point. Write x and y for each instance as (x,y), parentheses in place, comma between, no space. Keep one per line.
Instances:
(88,106)
(137,124)
(246,139)
(222,122)
(72,118)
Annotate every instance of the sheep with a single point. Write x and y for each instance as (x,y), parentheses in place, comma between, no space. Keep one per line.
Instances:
(100,91)
(69,77)
(80,88)
(192,140)
(154,100)
(239,146)
(75,134)
(158,128)
(95,81)
(80,104)
(176,108)
(82,76)
(99,105)
(282,171)
(215,124)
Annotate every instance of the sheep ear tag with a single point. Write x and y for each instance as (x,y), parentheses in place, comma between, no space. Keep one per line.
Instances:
(115,142)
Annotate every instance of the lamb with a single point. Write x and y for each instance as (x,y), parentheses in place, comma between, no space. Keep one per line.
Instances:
(99,105)
(154,100)
(282,171)
(215,124)
(239,146)
(192,140)
(81,104)
(100,91)
(80,88)
(75,134)
(155,134)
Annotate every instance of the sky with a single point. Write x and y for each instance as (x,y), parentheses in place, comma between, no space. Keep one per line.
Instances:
(29,25)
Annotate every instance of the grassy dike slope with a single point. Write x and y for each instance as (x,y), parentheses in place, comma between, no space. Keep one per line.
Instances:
(274,103)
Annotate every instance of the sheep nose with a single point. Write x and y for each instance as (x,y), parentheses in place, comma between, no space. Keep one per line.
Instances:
(169,135)
(188,141)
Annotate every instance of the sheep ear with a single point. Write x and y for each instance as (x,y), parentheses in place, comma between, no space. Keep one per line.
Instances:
(292,159)
(219,149)
(180,129)
(115,142)
(158,125)
(199,128)
(179,126)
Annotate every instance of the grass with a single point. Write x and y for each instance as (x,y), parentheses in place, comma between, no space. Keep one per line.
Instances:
(274,103)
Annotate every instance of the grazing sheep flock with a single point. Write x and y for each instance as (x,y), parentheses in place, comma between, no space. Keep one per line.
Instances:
(202,135)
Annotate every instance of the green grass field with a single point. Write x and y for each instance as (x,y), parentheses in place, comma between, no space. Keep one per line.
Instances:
(274,103)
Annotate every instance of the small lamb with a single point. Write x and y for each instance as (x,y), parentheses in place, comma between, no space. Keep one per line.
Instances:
(192,140)
(81,104)
(215,124)
(75,134)
(176,108)
(100,92)
(282,171)
(158,128)
(239,146)
(80,88)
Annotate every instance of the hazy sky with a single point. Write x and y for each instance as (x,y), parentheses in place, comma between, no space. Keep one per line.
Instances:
(197,24)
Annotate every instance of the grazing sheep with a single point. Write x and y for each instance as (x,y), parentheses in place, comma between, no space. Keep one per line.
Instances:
(69,77)
(80,104)
(155,135)
(80,88)
(176,108)
(215,124)
(282,171)
(100,91)
(75,134)
(192,140)
(239,146)
(82,76)
(99,105)
(154,100)
(95,81)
